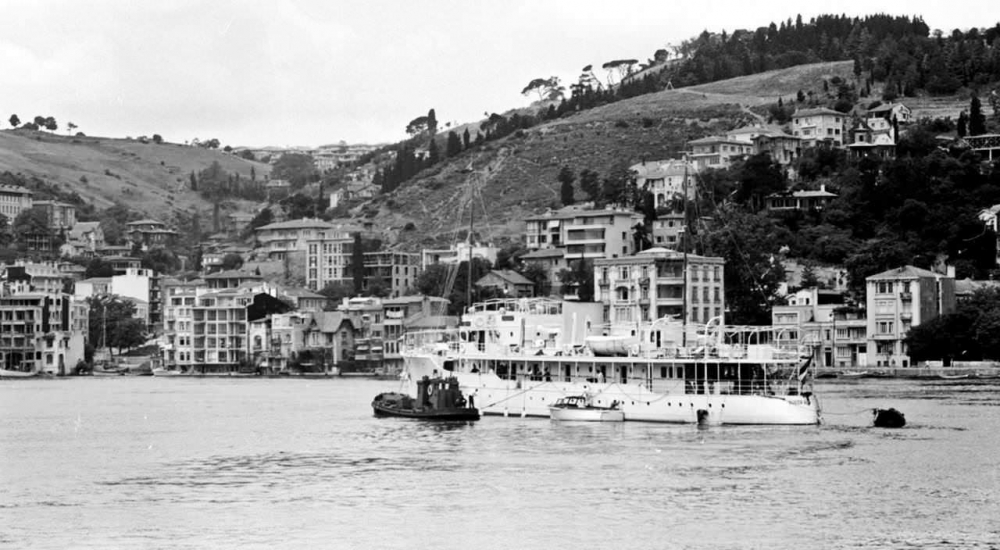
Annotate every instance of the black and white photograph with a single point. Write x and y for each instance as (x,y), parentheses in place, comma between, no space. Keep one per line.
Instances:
(492,275)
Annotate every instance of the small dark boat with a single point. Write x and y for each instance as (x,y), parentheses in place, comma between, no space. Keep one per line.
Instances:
(889,418)
(437,399)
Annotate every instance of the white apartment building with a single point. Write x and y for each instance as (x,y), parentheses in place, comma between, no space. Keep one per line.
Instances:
(584,234)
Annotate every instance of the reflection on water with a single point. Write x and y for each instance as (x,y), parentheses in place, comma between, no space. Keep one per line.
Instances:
(154,463)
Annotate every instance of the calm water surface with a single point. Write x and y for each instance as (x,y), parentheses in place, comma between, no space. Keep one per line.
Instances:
(246,463)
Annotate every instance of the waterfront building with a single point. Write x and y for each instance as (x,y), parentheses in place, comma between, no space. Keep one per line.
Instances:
(408,314)
(656,283)
(668,229)
(819,319)
(330,335)
(176,342)
(220,325)
(42,332)
(138,285)
(899,299)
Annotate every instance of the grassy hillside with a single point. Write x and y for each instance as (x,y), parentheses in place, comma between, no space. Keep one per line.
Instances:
(517,176)
(149,178)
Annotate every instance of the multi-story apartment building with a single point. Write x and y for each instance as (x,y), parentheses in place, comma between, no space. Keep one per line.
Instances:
(328,257)
(584,234)
(719,151)
(818,319)
(897,300)
(42,332)
(26,277)
(277,240)
(14,199)
(818,127)
(668,229)
(220,326)
(176,345)
(667,180)
(366,315)
(656,283)
(396,270)
(61,216)
(141,286)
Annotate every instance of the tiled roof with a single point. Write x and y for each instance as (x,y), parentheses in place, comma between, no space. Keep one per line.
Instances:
(905,272)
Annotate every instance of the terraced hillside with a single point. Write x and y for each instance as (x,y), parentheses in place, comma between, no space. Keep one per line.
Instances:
(150,178)
(516,177)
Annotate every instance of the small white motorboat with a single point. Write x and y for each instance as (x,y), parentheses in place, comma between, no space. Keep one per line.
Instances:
(581,408)
(164,371)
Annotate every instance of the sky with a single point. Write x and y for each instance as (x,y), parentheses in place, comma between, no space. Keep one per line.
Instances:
(308,73)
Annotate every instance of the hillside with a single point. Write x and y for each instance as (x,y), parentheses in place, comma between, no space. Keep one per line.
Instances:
(150,178)
(650,126)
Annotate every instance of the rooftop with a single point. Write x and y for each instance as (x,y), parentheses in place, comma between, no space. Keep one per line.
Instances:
(905,272)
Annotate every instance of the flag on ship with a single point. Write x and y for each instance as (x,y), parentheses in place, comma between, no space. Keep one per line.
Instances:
(804,369)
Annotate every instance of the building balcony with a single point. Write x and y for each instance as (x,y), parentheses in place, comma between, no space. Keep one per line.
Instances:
(906,315)
(905,296)
(603,282)
(885,337)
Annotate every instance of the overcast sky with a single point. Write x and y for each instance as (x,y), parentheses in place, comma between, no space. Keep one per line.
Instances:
(317,72)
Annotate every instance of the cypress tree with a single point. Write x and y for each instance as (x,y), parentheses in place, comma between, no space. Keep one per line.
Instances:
(466,139)
(977,120)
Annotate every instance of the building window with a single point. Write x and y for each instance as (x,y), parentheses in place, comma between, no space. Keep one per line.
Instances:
(884,327)
(883,287)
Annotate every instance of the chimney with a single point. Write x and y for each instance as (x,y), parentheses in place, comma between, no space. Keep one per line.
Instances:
(950,271)
(822,187)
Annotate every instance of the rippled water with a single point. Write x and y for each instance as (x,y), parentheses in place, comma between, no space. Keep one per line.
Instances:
(247,463)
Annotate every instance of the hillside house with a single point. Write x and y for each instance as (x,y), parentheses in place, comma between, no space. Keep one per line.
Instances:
(800,200)
(819,127)
(890,112)
(150,234)
(507,283)
(14,199)
(667,179)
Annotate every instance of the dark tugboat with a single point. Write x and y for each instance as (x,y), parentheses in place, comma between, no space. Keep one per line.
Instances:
(889,418)
(437,399)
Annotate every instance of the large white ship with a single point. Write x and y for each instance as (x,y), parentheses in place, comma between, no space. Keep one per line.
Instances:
(515,357)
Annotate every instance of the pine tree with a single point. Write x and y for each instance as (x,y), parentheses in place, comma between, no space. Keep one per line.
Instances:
(194,182)
(963,124)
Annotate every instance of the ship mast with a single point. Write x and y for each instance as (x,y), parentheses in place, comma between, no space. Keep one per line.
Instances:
(684,269)
(468,284)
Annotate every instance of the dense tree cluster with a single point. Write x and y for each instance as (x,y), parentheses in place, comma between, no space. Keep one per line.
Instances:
(972,333)
(215,185)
